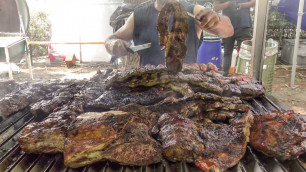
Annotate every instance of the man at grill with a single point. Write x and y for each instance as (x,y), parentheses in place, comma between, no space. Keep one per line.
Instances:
(141,28)
(239,13)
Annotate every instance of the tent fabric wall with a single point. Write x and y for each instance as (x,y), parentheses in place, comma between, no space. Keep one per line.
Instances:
(290,8)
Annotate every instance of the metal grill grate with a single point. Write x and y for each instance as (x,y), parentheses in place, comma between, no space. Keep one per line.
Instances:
(12,158)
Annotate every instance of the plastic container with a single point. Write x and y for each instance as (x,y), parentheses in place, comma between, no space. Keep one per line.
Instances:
(244,61)
(287,52)
(210,51)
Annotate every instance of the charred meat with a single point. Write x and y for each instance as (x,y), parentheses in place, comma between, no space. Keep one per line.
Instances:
(115,98)
(91,133)
(180,138)
(55,100)
(47,136)
(225,144)
(135,146)
(191,79)
(175,41)
(280,135)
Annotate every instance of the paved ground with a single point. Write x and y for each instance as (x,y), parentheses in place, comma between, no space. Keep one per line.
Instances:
(295,98)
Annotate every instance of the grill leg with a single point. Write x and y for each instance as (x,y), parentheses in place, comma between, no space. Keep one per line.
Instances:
(8,62)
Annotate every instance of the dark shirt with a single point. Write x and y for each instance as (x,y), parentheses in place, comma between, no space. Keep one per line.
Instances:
(240,18)
(145,31)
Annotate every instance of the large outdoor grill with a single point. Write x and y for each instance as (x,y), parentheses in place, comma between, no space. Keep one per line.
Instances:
(12,158)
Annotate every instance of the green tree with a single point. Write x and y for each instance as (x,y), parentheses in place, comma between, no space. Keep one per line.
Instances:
(39,30)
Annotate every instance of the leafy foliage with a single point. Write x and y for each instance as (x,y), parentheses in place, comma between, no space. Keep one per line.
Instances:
(39,30)
(279,28)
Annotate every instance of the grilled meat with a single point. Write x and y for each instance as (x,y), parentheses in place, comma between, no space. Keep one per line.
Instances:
(54,100)
(142,111)
(115,98)
(90,134)
(6,87)
(197,81)
(47,136)
(216,115)
(115,136)
(12,103)
(280,135)
(225,144)
(180,138)
(81,99)
(198,104)
(18,100)
(135,146)
(175,41)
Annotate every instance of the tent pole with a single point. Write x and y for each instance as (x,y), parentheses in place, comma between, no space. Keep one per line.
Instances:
(259,39)
(297,40)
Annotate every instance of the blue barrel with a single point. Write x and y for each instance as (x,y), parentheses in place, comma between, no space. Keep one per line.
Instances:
(210,51)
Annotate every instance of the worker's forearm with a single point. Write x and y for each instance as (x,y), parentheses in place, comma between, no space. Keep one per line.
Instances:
(111,37)
(224,28)
(248,4)
(220,6)
(116,46)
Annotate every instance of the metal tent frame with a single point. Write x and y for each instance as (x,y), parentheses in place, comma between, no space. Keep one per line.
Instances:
(259,41)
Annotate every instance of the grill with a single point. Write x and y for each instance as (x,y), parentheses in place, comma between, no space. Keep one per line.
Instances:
(12,158)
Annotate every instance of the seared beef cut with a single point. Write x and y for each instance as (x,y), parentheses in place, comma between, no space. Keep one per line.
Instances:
(81,99)
(90,134)
(113,135)
(225,144)
(11,86)
(115,98)
(47,136)
(135,146)
(216,115)
(197,79)
(55,100)
(183,88)
(280,135)
(180,138)
(18,100)
(6,87)
(142,111)
(198,104)
(12,103)
(175,41)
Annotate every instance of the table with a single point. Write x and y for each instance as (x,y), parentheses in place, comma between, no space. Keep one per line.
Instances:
(14,48)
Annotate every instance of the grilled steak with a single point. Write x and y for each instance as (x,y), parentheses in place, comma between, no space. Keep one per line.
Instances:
(201,103)
(18,100)
(90,134)
(12,103)
(135,146)
(6,87)
(115,98)
(175,41)
(225,144)
(198,81)
(280,135)
(114,135)
(180,138)
(47,136)
(55,100)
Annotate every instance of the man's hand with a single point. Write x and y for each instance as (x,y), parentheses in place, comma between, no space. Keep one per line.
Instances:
(207,19)
(117,47)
